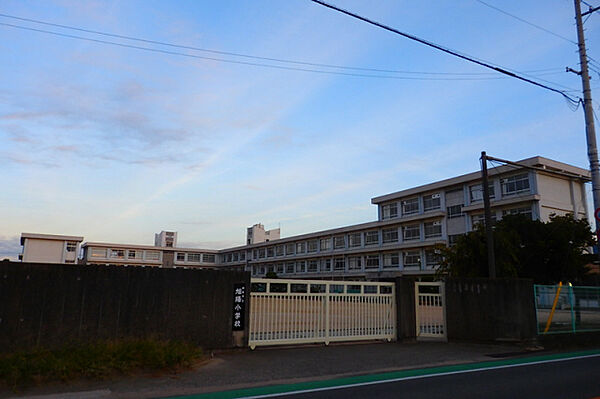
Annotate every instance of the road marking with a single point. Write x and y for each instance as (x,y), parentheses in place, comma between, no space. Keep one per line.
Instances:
(373,379)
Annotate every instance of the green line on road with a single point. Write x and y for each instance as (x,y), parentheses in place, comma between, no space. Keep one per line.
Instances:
(373,378)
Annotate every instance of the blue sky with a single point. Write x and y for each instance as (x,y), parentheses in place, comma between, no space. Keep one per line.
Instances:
(116,143)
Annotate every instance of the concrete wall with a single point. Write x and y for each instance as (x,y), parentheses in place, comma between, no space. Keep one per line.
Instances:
(50,251)
(560,196)
(48,304)
(483,309)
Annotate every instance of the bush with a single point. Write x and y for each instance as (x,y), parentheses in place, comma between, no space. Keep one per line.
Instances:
(94,360)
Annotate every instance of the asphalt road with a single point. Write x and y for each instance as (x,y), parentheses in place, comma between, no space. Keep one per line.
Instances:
(567,379)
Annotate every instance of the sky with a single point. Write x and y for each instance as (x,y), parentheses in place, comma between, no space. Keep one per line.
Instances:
(117,143)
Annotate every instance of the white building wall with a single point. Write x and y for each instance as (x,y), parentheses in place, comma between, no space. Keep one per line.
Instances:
(43,251)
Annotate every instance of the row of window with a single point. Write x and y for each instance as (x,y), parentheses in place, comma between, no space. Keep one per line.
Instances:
(195,257)
(389,235)
(389,260)
(410,206)
(138,254)
(512,185)
(125,254)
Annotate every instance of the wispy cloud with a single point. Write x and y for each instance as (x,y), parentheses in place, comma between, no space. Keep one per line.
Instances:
(10,247)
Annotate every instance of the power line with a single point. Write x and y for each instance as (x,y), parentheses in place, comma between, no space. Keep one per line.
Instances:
(446,50)
(526,22)
(547,71)
(256,64)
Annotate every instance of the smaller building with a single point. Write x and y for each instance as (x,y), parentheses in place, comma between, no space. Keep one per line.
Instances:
(257,234)
(49,248)
(165,239)
(99,253)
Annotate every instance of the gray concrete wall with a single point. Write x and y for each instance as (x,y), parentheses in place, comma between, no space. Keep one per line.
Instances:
(483,309)
(43,304)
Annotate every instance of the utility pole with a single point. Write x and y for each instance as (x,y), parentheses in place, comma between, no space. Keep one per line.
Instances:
(488,217)
(590,130)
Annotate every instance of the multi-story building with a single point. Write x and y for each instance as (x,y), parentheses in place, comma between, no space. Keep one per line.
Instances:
(402,241)
(165,239)
(257,234)
(49,248)
(411,222)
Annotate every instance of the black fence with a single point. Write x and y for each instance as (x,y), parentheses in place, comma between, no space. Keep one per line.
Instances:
(49,304)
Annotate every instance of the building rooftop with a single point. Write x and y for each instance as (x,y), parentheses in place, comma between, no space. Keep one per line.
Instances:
(538,161)
(56,237)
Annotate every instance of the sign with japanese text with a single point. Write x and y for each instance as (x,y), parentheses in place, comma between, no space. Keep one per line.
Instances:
(239,306)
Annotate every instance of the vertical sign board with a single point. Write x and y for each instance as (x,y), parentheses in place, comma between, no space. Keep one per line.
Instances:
(239,306)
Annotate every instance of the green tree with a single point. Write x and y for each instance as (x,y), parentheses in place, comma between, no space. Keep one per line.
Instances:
(546,252)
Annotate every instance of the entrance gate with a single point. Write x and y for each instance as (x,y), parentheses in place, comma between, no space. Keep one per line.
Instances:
(310,311)
(430,310)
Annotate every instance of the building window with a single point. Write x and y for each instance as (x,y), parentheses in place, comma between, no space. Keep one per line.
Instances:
(235,256)
(181,256)
(326,265)
(431,202)
(289,267)
(354,263)
(133,254)
(372,262)
(480,218)
(339,242)
(454,211)
(411,232)
(242,255)
(339,264)
(301,267)
(208,258)
(153,255)
(228,257)
(412,258)
(279,250)
(270,252)
(313,266)
(453,238)
(289,248)
(300,247)
(194,258)
(389,211)
(98,253)
(432,259)
(476,192)
(515,184)
(312,246)
(390,235)
(325,244)
(410,206)
(372,237)
(391,259)
(117,253)
(354,240)
(433,229)
(279,268)
(526,211)
(261,252)
(71,246)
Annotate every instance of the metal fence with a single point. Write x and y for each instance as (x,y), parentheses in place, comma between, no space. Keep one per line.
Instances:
(567,309)
(308,311)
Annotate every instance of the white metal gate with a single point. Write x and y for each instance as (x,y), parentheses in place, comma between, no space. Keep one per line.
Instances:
(309,311)
(430,310)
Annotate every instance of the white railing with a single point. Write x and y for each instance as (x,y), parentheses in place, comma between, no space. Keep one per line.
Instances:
(310,311)
(430,310)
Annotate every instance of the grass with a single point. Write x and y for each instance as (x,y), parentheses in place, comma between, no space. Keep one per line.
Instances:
(97,360)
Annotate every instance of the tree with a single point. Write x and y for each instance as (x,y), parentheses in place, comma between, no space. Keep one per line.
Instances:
(546,252)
